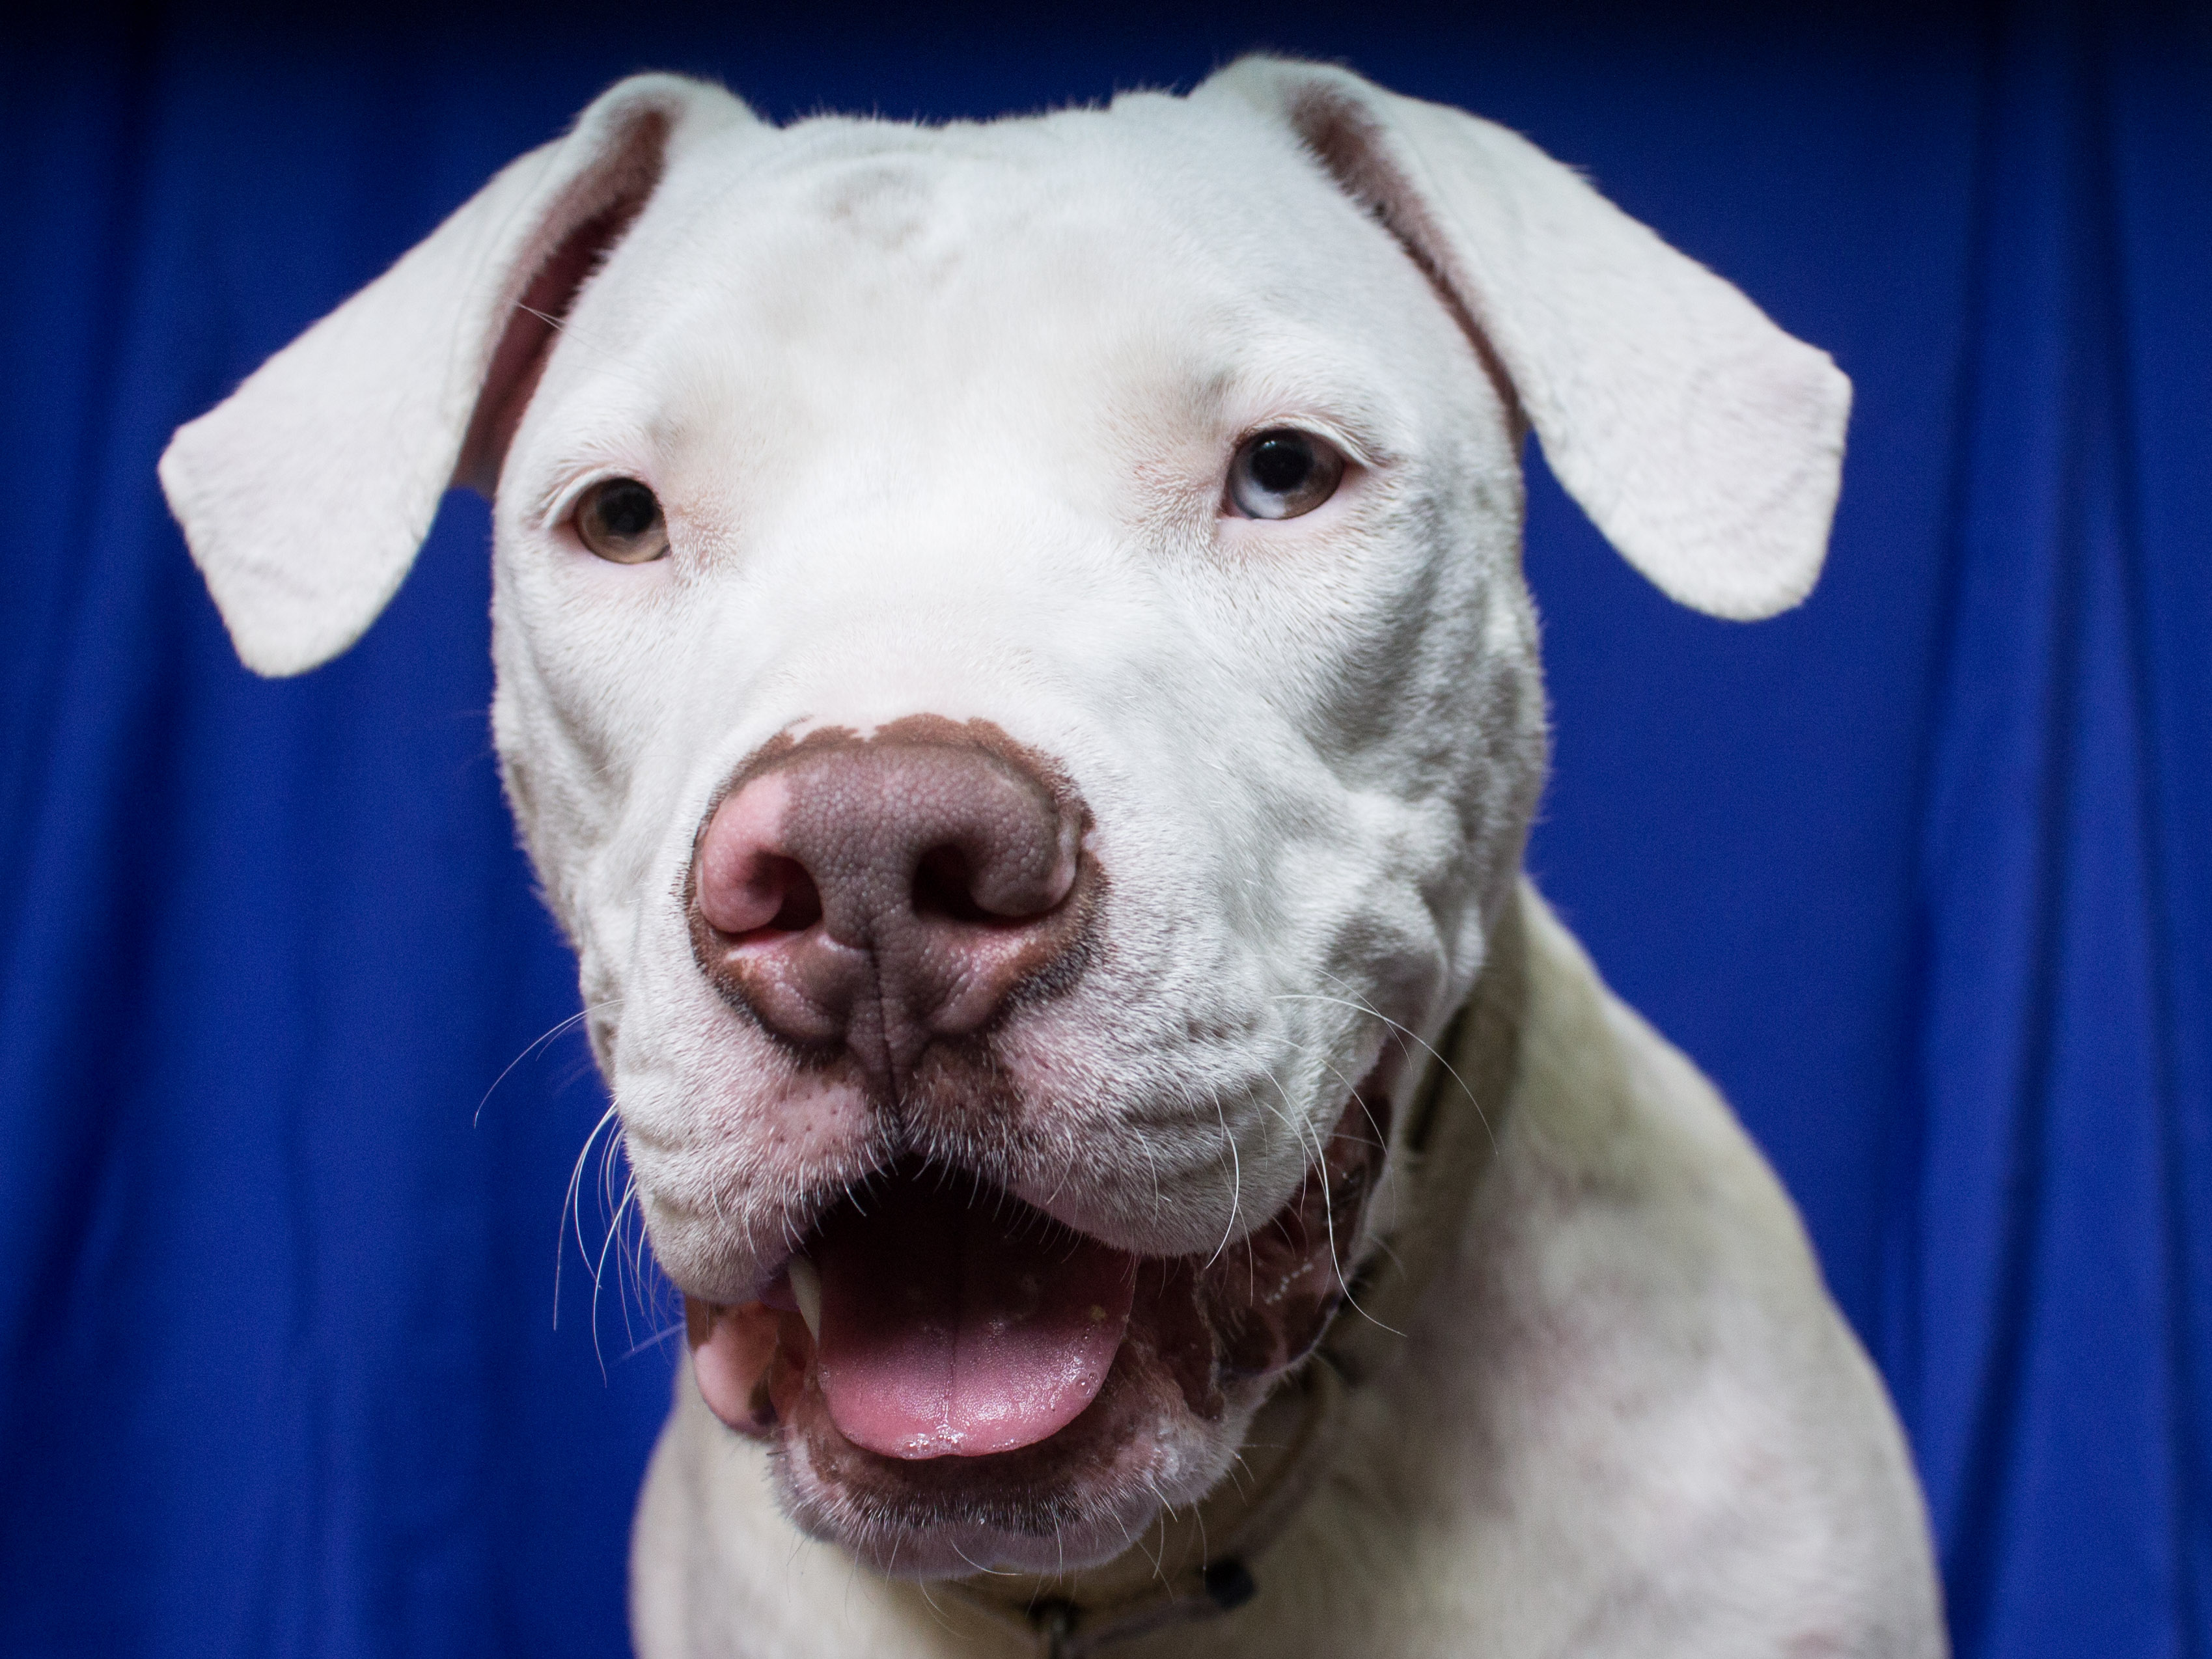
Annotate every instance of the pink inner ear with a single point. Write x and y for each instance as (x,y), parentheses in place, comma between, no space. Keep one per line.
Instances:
(520,359)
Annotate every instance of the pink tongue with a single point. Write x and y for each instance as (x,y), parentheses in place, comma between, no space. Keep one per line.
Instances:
(956,1326)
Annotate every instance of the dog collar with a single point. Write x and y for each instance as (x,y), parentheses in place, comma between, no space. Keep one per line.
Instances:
(1210,1557)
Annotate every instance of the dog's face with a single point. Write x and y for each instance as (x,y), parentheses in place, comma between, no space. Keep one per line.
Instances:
(949,452)
(1014,672)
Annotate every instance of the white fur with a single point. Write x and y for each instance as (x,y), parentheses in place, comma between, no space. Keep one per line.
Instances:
(940,417)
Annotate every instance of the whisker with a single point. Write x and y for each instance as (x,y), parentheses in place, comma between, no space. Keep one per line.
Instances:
(598,1270)
(994,1572)
(576,1019)
(573,1204)
(1450,1071)
(1235,1180)
(654,1341)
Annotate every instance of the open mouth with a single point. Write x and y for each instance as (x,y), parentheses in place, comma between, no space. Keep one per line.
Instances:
(936,1337)
(945,1320)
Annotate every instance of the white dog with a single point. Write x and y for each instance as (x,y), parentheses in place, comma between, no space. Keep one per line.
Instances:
(1014,670)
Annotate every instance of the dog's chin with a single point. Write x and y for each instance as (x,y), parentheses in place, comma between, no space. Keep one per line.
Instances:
(950,1383)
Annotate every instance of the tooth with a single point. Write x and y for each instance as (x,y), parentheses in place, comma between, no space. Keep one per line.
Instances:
(806,1291)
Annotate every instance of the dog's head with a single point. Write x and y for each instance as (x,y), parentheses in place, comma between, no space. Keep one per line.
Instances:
(1014,671)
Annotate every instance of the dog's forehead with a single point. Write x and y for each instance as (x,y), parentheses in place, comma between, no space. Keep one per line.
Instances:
(1215,198)
(1178,240)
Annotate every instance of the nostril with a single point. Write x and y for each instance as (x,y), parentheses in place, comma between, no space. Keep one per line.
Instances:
(944,888)
(801,905)
(951,884)
(769,894)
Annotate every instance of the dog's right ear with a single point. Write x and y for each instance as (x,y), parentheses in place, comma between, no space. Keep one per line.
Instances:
(1704,441)
(304,494)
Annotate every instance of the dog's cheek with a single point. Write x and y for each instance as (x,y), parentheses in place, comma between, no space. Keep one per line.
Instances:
(518,723)
(548,838)
(597,665)
(1405,663)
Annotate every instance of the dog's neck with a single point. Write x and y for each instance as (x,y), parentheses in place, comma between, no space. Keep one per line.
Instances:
(1209,1559)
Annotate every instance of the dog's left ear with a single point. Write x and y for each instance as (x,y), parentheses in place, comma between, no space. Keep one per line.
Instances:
(304,494)
(1704,441)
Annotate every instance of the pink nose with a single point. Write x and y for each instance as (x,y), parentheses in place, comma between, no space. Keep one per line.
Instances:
(878,896)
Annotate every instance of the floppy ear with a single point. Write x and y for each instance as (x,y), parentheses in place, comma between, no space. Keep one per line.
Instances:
(1703,440)
(304,494)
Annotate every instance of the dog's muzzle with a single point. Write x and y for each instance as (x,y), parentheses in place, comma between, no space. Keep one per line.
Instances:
(867,902)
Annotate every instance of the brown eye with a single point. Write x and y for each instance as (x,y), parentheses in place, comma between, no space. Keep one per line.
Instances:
(1283,472)
(620,520)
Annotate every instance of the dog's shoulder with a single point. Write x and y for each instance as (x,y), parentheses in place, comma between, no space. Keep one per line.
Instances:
(1630,1418)
(1610,1125)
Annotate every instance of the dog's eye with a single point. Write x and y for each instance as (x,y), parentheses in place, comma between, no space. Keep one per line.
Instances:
(1282,473)
(619,519)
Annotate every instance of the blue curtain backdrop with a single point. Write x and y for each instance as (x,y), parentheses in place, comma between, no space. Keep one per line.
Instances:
(1921,872)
